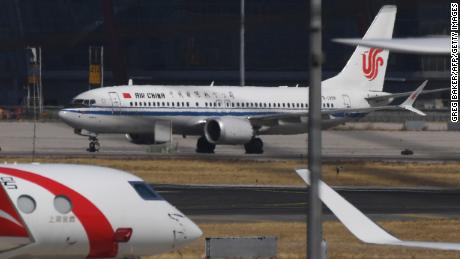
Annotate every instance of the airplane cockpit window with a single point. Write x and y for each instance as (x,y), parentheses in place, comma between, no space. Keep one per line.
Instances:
(81,103)
(145,191)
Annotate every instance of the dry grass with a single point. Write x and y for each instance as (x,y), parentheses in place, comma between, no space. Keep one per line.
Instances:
(277,172)
(291,239)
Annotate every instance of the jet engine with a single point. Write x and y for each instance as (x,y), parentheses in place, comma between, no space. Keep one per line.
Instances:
(143,139)
(227,130)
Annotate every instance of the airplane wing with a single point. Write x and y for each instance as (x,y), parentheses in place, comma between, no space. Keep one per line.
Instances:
(422,45)
(397,95)
(406,105)
(360,225)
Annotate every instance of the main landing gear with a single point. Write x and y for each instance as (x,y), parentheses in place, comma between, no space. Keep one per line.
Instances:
(204,146)
(93,144)
(255,146)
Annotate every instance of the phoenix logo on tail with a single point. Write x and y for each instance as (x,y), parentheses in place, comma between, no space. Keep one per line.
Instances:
(371,63)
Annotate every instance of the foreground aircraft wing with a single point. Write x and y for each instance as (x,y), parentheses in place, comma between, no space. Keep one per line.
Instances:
(406,105)
(422,45)
(360,225)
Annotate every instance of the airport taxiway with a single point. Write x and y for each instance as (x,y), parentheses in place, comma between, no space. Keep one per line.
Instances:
(54,138)
(256,200)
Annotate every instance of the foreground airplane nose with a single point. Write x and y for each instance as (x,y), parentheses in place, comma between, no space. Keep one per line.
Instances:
(193,231)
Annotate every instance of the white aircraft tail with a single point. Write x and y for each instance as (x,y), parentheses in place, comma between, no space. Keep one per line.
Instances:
(366,67)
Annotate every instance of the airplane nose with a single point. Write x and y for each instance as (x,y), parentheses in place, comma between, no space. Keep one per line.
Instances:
(63,115)
(193,231)
(66,117)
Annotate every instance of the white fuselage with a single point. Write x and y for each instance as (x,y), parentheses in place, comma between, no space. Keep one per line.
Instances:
(102,200)
(136,109)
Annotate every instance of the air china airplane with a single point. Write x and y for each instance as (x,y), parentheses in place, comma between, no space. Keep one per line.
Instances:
(237,115)
(75,211)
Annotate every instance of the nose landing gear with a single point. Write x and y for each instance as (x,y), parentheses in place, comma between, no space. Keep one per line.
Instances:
(93,144)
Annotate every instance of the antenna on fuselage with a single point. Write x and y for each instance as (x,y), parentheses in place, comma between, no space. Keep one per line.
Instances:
(130,82)
(212,83)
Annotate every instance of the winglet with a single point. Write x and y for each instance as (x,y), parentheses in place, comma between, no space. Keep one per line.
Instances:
(409,102)
(360,225)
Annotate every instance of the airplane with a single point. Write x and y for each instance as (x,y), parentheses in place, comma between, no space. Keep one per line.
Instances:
(363,227)
(80,211)
(147,114)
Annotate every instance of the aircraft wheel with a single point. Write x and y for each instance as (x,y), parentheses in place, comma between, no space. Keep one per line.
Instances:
(203,146)
(255,146)
(93,146)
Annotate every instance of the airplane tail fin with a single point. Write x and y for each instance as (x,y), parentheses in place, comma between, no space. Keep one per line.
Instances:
(366,67)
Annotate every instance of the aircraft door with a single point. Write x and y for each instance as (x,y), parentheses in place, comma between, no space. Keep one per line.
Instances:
(115,99)
(346,101)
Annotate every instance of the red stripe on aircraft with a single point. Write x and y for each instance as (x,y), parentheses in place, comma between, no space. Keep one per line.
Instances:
(98,229)
(126,95)
(9,228)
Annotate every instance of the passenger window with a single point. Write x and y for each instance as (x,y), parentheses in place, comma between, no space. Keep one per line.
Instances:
(26,204)
(188,104)
(145,191)
(62,204)
(131,103)
(196,104)
(289,105)
(163,104)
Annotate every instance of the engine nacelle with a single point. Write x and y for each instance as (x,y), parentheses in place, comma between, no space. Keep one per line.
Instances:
(143,139)
(227,130)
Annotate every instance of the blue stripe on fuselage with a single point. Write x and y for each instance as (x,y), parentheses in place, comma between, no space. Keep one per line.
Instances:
(200,113)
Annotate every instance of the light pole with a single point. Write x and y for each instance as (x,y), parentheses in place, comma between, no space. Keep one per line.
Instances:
(314,224)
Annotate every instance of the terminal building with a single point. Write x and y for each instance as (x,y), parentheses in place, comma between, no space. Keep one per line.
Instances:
(197,42)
